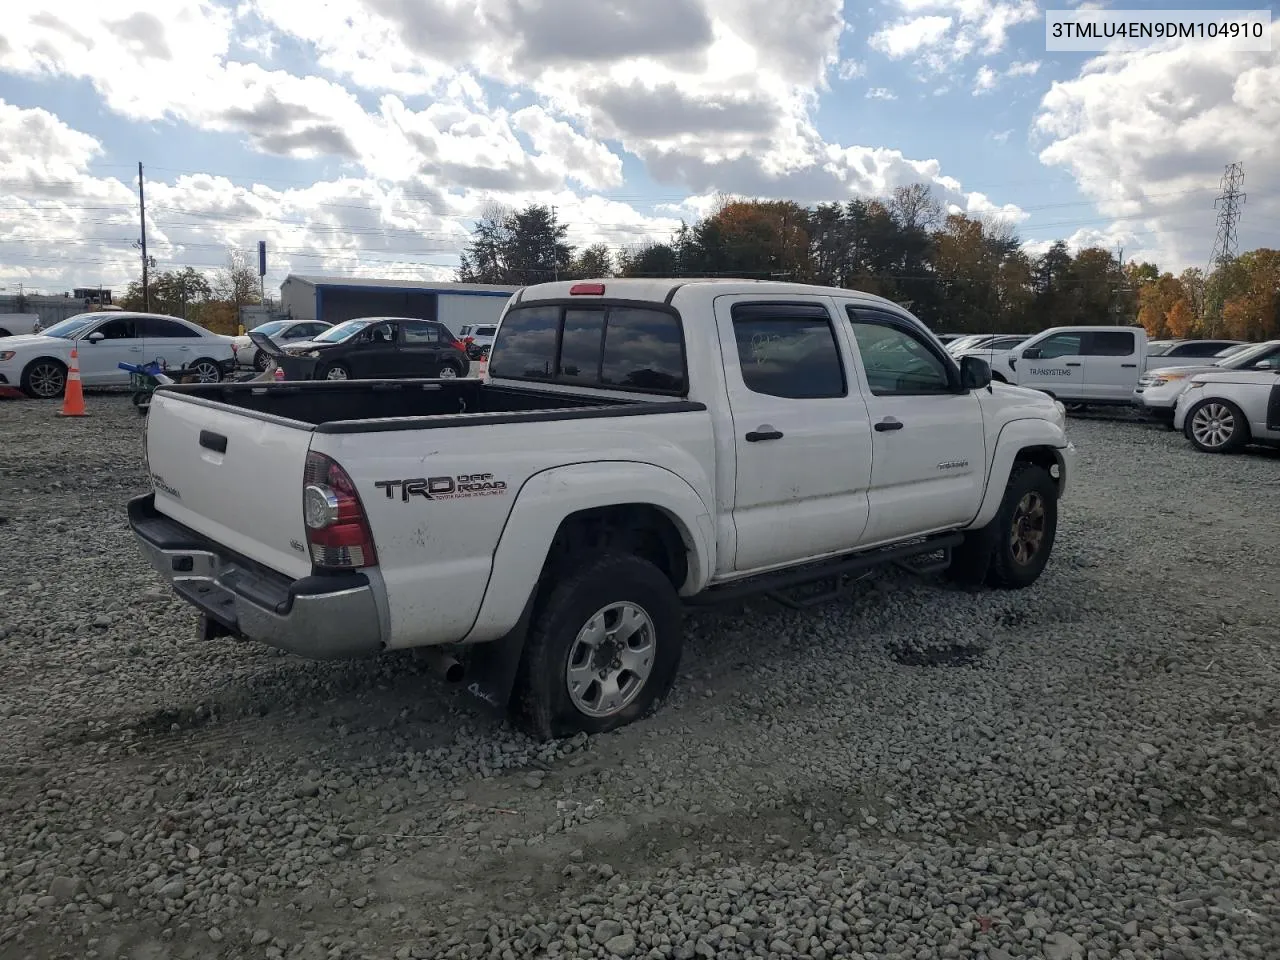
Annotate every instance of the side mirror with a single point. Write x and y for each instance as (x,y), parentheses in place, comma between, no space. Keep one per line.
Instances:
(975,373)
(96,337)
(1264,365)
(1031,353)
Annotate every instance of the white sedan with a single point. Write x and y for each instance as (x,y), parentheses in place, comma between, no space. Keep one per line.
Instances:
(37,364)
(1221,412)
(283,332)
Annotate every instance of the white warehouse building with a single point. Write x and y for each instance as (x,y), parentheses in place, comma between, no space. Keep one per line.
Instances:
(335,299)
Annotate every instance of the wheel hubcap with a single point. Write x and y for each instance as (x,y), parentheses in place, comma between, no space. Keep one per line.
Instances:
(1028,527)
(610,659)
(46,380)
(448,373)
(337,373)
(1213,424)
(207,373)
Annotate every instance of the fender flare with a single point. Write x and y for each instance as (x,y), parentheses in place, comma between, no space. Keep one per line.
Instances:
(1014,437)
(547,498)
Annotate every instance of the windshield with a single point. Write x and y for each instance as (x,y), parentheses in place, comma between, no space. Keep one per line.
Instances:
(1242,358)
(270,329)
(68,328)
(342,331)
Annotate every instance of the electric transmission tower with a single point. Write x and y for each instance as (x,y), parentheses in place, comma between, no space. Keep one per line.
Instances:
(1225,243)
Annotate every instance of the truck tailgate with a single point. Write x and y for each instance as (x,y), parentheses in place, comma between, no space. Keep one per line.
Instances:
(237,479)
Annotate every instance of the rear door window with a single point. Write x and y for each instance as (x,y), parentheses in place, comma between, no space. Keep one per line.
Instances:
(1119,343)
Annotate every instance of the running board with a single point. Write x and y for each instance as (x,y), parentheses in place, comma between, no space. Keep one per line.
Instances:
(772,584)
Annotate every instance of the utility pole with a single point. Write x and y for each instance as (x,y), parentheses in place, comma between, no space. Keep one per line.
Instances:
(555,259)
(1120,288)
(1225,243)
(142,219)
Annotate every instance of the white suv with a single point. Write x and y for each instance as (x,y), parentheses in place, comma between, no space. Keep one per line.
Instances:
(1158,389)
(1221,412)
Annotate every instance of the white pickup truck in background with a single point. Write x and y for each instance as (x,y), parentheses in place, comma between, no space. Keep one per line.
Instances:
(640,445)
(1078,365)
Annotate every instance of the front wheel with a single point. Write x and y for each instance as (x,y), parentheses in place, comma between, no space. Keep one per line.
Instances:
(447,371)
(261,361)
(1025,528)
(337,372)
(1216,426)
(603,648)
(44,379)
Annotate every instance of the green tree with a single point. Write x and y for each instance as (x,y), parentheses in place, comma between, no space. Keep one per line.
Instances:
(594,261)
(516,247)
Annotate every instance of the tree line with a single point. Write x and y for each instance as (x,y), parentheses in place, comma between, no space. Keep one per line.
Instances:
(955,272)
(213,302)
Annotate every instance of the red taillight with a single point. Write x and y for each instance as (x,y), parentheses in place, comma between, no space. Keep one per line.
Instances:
(337,528)
(459,345)
(587,290)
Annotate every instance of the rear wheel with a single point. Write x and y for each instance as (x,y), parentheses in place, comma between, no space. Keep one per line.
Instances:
(206,371)
(44,379)
(603,648)
(336,371)
(448,371)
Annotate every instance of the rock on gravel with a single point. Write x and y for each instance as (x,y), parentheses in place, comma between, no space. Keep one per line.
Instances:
(1084,769)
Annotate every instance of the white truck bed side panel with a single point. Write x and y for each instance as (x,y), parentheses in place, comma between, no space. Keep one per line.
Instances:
(436,553)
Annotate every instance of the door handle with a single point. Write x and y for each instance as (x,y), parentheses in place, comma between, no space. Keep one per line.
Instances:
(890,424)
(1128,364)
(216,442)
(1071,363)
(135,349)
(763,432)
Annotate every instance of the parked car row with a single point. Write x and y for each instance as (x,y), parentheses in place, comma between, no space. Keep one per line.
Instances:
(38,363)
(1222,394)
(369,348)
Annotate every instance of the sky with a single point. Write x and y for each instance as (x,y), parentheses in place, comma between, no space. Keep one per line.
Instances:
(362,137)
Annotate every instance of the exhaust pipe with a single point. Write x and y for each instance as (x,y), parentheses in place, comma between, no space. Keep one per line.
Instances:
(443,664)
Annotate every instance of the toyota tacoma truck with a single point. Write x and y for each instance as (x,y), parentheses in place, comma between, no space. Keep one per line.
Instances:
(637,447)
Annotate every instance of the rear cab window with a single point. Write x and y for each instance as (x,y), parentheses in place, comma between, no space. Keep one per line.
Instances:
(611,346)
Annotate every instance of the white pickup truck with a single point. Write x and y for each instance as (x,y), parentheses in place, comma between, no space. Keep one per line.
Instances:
(1079,365)
(638,445)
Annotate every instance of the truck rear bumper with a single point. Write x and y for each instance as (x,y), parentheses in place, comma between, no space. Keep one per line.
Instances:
(320,618)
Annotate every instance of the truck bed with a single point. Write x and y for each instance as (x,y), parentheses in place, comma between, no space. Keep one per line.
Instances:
(360,406)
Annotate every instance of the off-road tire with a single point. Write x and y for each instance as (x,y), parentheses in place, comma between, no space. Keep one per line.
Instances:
(584,585)
(1006,571)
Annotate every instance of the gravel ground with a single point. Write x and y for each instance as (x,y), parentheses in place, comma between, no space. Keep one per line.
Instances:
(1087,769)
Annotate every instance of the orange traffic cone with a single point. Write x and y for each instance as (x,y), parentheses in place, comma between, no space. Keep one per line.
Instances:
(73,395)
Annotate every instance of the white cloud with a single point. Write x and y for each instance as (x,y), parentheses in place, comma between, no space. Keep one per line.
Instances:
(851,69)
(1001,136)
(940,32)
(881,93)
(906,37)
(1146,135)
(985,80)
(1022,69)
(710,97)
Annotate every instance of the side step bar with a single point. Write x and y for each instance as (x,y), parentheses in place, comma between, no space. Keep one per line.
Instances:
(838,569)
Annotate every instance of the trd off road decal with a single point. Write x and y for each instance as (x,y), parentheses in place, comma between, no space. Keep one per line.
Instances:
(444,488)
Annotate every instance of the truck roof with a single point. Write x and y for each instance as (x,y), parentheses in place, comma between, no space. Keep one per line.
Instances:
(661,290)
